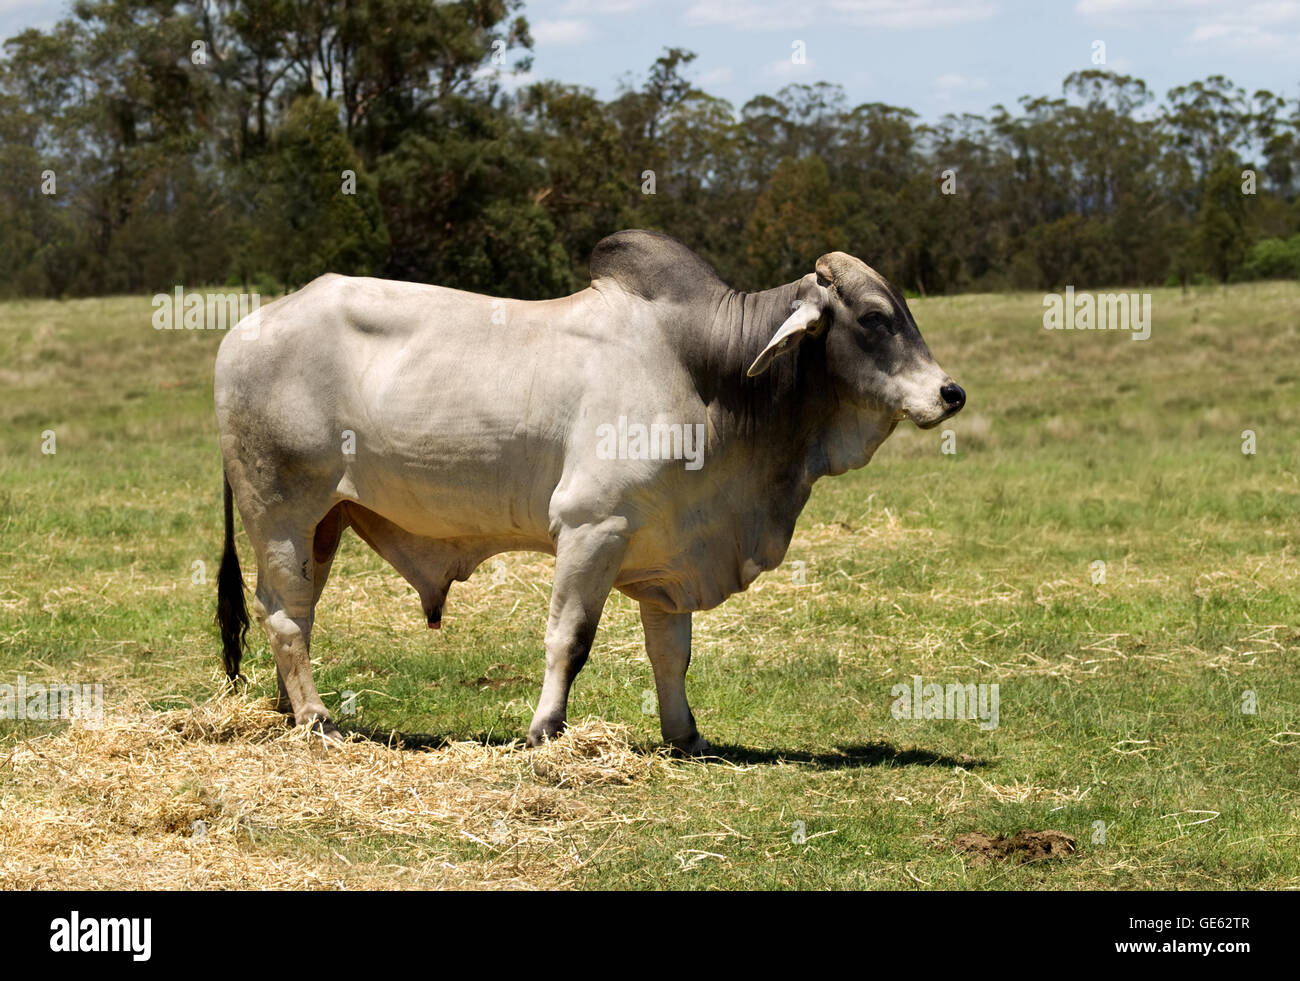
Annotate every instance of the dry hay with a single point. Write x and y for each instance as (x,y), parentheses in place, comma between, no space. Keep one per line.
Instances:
(226,795)
(593,752)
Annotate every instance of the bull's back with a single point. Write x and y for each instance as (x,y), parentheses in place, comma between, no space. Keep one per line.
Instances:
(442,410)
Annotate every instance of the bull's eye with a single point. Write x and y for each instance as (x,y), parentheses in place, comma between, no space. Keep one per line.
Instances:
(875,320)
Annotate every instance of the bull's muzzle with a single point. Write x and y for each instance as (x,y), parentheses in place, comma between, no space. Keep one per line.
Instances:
(954,396)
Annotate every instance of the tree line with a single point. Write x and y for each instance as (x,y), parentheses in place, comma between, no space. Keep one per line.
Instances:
(258,143)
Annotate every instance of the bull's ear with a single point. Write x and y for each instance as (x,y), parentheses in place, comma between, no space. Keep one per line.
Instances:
(806,321)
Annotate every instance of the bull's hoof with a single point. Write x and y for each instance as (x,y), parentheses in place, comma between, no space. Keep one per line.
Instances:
(326,733)
(540,732)
(694,746)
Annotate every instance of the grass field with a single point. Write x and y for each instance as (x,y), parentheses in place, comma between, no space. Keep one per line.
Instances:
(1121,701)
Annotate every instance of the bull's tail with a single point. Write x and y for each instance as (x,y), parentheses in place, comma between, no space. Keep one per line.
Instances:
(232,613)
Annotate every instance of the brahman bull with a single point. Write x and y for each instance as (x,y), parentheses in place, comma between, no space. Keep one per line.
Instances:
(446,427)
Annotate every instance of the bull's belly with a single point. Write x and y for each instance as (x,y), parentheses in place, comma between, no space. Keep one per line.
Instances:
(430,505)
(473,508)
(672,569)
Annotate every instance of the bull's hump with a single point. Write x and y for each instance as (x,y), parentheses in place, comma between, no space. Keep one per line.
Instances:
(654,266)
(392,308)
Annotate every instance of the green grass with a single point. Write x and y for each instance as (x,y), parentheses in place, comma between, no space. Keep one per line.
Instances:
(1120,702)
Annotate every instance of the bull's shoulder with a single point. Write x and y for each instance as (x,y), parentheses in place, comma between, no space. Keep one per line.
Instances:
(654,266)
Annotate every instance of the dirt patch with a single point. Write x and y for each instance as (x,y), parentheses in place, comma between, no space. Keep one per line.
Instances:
(494,678)
(1023,846)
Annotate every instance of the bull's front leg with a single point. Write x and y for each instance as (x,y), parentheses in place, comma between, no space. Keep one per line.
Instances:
(587,560)
(668,645)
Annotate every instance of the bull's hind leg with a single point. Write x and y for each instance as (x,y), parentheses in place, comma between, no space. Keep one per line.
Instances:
(587,561)
(325,543)
(285,602)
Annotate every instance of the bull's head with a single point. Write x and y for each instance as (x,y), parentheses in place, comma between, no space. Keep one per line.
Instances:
(875,354)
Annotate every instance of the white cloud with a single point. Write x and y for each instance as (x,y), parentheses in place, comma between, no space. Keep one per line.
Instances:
(1256,11)
(779,14)
(1097,8)
(716,76)
(1245,38)
(599,7)
(1214,32)
(786,68)
(913,13)
(1130,8)
(830,14)
(1261,27)
(559,32)
(951,82)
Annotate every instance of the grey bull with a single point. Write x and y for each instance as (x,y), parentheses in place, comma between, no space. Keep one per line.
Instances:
(657,432)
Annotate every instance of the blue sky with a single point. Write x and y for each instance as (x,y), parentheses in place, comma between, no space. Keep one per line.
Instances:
(934,56)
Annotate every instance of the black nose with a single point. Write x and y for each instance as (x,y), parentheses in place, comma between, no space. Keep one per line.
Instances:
(953,395)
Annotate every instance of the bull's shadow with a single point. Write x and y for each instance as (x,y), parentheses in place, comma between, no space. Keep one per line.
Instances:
(846,757)
(422,741)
